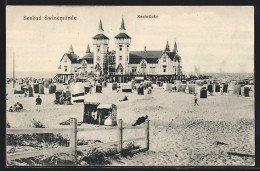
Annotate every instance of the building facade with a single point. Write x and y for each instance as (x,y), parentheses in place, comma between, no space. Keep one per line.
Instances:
(121,61)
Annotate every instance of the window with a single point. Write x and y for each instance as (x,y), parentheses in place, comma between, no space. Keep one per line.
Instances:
(120,47)
(143,65)
(65,68)
(133,69)
(164,68)
(98,58)
(98,48)
(164,59)
(127,59)
(127,47)
(152,69)
(65,59)
(120,58)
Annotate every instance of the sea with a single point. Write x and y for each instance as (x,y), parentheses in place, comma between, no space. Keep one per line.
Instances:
(221,76)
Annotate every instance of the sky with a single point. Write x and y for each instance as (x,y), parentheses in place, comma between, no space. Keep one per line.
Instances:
(214,39)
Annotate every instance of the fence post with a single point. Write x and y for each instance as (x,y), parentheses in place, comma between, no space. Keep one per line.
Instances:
(147,133)
(120,136)
(73,139)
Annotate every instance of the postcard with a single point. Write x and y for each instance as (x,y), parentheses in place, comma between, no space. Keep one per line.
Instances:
(130,86)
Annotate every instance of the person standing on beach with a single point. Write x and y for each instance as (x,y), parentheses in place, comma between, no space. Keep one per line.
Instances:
(118,88)
(38,103)
(195,100)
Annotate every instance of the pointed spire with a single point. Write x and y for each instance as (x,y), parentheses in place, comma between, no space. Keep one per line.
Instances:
(175,47)
(167,48)
(100,28)
(122,25)
(88,49)
(71,49)
(122,28)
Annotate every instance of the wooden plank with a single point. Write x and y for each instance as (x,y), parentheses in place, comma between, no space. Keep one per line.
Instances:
(134,139)
(27,154)
(147,133)
(133,127)
(35,130)
(73,139)
(120,135)
(83,147)
(97,129)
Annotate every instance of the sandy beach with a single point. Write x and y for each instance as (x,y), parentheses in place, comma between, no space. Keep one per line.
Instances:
(181,134)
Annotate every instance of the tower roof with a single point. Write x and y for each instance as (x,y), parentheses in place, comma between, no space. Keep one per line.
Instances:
(71,49)
(88,49)
(100,26)
(167,48)
(175,47)
(122,36)
(100,36)
(122,25)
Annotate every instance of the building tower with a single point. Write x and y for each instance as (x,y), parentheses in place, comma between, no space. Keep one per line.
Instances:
(88,50)
(178,68)
(100,42)
(167,47)
(122,41)
(71,50)
(175,50)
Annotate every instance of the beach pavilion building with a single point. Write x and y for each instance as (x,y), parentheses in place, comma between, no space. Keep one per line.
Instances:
(121,64)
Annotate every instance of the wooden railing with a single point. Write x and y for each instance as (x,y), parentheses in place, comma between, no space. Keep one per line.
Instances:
(73,130)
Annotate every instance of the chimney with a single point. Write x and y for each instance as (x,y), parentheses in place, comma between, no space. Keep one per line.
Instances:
(144,48)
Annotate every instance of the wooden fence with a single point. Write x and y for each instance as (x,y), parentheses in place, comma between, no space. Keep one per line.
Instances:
(73,130)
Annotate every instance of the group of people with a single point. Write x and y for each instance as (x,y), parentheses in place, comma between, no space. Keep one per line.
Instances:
(17,107)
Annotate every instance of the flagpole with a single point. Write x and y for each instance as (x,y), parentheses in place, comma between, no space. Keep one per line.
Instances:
(14,71)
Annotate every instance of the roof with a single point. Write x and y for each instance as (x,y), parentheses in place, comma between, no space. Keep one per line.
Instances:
(135,60)
(104,106)
(89,60)
(150,56)
(89,57)
(167,48)
(100,25)
(88,49)
(122,25)
(73,58)
(122,36)
(152,60)
(177,57)
(146,54)
(100,36)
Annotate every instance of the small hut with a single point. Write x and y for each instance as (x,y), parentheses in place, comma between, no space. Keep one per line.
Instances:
(246,91)
(114,86)
(41,89)
(127,87)
(191,88)
(217,88)
(203,93)
(52,89)
(140,90)
(30,90)
(237,89)
(98,88)
(36,87)
(225,88)
(107,113)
